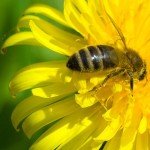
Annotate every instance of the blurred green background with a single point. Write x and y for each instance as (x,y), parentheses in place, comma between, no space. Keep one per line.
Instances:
(16,58)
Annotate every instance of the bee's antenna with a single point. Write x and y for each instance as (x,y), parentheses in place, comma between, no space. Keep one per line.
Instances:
(118,30)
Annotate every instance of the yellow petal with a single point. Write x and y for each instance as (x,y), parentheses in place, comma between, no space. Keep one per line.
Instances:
(85,82)
(128,137)
(127,22)
(142,141)
(49,114)
(48,12)
(81,5)
(143,38)
(49,41)
(82,85)
(143,125)
(65,130)
(108,115)
(53,90)
(95,5)
(90,143)
(22,38)
(113,9)
(95,80)
(46,26)
(39,75)
(131,127)
(110,130)
(28,106)
(96,27)
(72,16)
(76,142)
(81,21)
(114,143)
(74,42)
(85,100)
(141,29)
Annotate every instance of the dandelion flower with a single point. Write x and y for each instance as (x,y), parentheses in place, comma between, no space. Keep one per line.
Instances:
(112,118)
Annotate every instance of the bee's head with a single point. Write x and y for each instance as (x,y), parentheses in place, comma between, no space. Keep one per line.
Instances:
(137,63)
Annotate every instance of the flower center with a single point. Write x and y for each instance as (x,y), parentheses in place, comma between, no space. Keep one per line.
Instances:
(117,91)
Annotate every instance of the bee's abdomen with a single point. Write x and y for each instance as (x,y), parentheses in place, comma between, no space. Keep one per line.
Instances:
(93,58)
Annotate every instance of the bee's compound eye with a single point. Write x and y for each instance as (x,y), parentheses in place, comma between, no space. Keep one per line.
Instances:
(141,77)
(142,74)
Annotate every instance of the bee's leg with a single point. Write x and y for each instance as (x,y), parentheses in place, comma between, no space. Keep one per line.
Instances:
(130,74)
(110,75)
(103,145)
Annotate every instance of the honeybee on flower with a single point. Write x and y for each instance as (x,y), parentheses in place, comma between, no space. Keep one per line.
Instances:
(112,118)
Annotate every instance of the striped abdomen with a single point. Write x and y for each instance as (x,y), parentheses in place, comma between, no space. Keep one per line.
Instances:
(93,58)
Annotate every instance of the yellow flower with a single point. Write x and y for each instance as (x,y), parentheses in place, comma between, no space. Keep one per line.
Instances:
(79,118)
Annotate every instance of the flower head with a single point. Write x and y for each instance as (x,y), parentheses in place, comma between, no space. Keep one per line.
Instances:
(79,117)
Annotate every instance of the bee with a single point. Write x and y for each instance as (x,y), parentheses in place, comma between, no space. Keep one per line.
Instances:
(104,57)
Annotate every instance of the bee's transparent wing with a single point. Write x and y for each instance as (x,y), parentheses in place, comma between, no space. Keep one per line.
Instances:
(118,31)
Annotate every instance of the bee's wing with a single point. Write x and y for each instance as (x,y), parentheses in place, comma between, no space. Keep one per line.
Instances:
(118,31)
